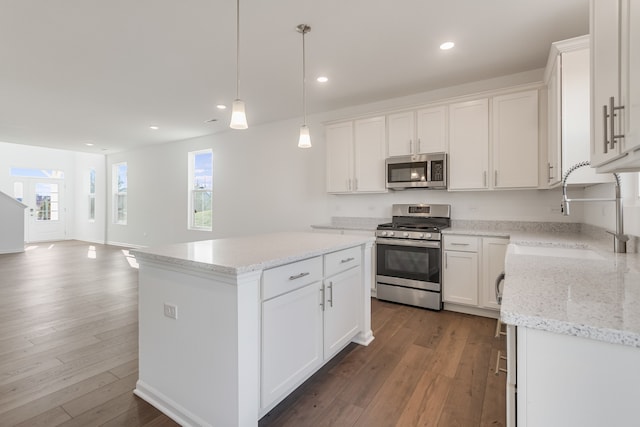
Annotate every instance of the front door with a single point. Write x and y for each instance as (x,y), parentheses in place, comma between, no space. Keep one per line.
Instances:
(44,217)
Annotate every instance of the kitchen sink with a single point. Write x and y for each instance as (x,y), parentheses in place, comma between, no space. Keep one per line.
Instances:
(556,252)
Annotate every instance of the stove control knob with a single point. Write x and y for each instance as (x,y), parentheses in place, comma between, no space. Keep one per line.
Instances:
(383,234)
(421,235)
(427,236)
(391,233)
(406,234)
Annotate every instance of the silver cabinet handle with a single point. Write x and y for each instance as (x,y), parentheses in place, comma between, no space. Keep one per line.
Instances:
(612,122)
(458,244)
(446,260)
(495,178)
(346,260)
(322,292)
(330,294)
(418,150)
(549,176)
(604,128)
(298,276)
(410,147)
(499,279)
(498,359)
(484,178)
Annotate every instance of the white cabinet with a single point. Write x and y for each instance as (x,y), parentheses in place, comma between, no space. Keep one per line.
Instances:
(356,151)
(311,309)
(515,140)
(493,254)
(469,145)
(471,267)
(417,132)
(564,380)
(510,158)
(460,274)
(615,95)
(568,112)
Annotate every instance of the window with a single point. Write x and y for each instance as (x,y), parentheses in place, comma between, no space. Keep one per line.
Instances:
(18,191)
(119,189)
(37,173)
(200,189)
(92,195)
(47,202)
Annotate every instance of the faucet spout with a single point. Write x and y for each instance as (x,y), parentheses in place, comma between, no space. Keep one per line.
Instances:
(620,239)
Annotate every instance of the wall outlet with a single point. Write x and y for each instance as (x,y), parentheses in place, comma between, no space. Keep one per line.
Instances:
(171,310)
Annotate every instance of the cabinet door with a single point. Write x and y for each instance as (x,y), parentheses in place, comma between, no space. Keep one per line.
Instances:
(631,75)
(460,278)
(291,341)
(469,145)
(493,253)
(554,155)
(370,153)
(401,129)
(605,76)
(432,130)
(339,140)
(515,140)
(343,305)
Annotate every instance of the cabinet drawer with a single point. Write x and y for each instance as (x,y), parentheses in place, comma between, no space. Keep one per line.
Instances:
(336,262)
(461,243)
(286,278)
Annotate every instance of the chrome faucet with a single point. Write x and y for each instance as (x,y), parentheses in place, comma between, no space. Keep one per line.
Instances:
(619,238)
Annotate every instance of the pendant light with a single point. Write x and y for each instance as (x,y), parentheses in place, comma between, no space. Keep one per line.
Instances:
(238,116)
(305,139)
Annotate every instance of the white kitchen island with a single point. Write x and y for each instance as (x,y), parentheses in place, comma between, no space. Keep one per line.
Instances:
(229,327)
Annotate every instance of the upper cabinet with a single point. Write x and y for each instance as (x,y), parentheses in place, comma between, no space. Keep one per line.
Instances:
(509,159)
(356,151)
(418,132)
(567,77)
(615,85)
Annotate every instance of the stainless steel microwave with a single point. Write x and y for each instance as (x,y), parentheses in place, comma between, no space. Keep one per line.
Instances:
(417,171)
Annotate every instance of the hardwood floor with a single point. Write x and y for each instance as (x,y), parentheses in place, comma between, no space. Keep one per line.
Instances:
(68,355)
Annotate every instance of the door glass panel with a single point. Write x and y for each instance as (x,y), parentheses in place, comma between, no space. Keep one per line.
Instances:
(47,202)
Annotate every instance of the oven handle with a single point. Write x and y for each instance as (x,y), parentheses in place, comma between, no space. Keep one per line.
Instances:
(408,242)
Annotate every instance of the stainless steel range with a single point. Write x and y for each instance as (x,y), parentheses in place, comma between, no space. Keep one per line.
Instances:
(409,255)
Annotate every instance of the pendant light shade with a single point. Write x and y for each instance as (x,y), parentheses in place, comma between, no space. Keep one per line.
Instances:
(238,116)
(305,139)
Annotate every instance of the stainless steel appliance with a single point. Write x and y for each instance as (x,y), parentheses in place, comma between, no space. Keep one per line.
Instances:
(409,255)
(417,171)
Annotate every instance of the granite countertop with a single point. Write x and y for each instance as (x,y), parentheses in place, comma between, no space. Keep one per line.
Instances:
(239,255)
(352,223)
(573,284)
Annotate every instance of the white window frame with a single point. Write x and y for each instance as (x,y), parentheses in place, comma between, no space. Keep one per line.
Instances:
(192,191)
(119,194)
(92,195)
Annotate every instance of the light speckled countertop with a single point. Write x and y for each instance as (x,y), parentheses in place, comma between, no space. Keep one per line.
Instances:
(569,283)
(239,255)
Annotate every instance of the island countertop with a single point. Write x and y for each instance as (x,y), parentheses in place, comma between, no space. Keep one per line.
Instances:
(237,255)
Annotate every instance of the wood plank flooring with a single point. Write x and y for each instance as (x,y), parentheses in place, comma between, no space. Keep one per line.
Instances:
(68,355)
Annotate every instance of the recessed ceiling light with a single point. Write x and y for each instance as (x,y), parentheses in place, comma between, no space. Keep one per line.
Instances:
(221,107)
(447,45)
(322,79)
(89,144)
(154,127)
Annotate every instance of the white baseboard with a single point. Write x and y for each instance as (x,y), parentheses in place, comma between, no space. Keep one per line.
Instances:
(168,407)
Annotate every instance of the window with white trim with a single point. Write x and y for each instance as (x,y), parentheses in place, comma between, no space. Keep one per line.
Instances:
(92,195)
(119,190)
(200,190)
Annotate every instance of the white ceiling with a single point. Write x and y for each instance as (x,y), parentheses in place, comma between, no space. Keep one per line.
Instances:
(74,71)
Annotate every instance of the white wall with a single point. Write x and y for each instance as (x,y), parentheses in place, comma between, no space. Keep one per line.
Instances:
(262,182)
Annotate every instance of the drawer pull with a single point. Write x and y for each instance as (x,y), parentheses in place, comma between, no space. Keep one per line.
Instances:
(459,244)
(330,294)
(498,359)
(347,260)
(298,276)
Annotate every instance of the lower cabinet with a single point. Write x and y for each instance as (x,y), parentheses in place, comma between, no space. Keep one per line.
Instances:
(470,268)
(311,310)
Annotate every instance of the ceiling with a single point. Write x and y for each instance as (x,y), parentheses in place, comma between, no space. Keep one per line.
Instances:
(101,72)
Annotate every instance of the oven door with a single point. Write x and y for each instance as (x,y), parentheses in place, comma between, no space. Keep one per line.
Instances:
(409,263)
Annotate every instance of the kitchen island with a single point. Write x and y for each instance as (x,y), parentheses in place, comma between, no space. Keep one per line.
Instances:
(229,327)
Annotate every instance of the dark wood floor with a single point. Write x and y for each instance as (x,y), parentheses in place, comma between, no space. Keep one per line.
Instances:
(68,355)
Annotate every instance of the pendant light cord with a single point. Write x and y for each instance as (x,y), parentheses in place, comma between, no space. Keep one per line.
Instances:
(304,79)
(237,49)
